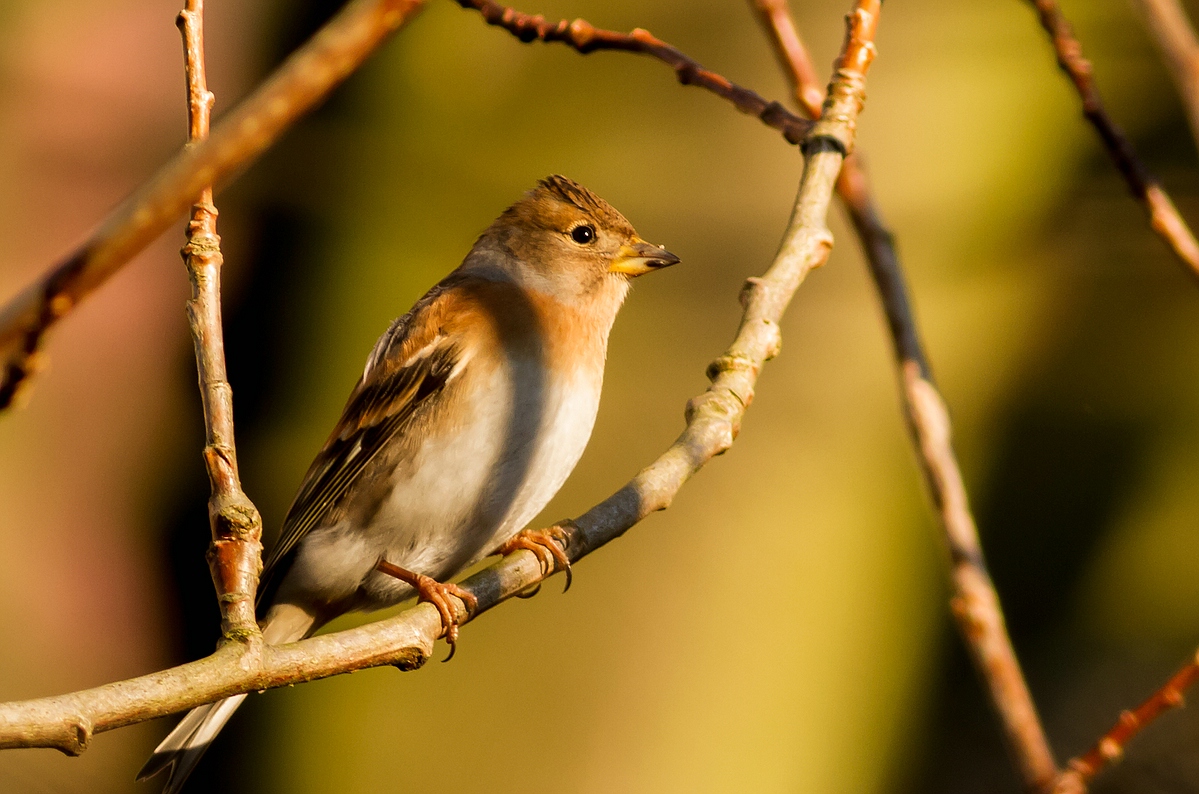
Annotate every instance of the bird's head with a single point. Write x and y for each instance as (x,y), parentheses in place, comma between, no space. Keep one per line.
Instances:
(565,241)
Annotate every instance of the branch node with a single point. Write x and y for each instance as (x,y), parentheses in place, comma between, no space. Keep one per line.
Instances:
(722,408)
(752,285)
(582,33)
(200,244)
(241,635)
(824,241)
(819,140)
(236,518)
(411,659)
(60,305)
(77,737)
(1110,749)
(732,362)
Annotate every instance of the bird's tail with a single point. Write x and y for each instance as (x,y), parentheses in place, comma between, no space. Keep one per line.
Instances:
(184,746)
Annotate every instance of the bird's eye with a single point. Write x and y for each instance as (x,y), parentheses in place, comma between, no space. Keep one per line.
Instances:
(582,234)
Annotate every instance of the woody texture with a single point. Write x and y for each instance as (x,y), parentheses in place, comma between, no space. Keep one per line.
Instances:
(441,350)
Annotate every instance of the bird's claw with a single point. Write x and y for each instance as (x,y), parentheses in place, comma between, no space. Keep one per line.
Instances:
(436,593)
(549,546)
(532,591)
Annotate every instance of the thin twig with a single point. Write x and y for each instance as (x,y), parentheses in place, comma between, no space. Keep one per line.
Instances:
(1163,215)
(67,722)
(1109,748)
(1175,36)
(235,555)
(584,38)
(302,82)
(792,54)
(975,603)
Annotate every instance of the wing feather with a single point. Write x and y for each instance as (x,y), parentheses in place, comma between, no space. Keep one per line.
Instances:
(381,405)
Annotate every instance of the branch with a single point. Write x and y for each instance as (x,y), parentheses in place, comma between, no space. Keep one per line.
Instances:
(1109,748)
(975,604)
(1175,37)
(585,38)
(1163,215)
(296,87)
(713,419)
(793,56)
(235,556)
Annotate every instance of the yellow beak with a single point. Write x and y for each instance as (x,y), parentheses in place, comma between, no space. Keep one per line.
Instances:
(640,257)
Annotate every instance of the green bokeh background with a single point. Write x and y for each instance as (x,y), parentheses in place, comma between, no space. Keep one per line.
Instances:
(783,626)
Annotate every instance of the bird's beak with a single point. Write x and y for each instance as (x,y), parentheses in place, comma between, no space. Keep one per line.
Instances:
(640,257)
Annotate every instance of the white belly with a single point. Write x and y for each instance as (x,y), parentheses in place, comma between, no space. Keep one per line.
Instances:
(463,493)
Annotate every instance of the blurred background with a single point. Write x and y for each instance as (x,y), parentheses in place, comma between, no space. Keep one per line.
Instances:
(783,627)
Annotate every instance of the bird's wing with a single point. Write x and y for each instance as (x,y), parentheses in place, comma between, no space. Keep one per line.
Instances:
(389,394)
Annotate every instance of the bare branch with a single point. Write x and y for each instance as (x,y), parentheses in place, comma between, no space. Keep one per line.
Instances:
(585,38)
(975,604)
(713,418)
(793,56)
(251,128)
(235,556)
(1163,215)
(1175,37)
(1109,748)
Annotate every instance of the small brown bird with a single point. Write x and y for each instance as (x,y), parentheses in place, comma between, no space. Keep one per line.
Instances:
(471,412)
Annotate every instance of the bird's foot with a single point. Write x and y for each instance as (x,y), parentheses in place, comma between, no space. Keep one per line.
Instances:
(436,593)
(549,545)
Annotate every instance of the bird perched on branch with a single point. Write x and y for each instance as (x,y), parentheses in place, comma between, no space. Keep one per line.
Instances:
(470,413)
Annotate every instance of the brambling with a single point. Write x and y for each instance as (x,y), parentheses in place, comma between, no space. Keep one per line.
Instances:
(470,413)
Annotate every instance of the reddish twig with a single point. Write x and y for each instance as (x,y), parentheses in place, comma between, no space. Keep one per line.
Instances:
(1163,215)
(235,556)
(975,603)
(793,56)
(293,90)
(585,38)
(1175,37)
(1109,748)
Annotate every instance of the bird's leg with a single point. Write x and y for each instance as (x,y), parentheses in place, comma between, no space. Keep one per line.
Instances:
(548,544)
(436,593)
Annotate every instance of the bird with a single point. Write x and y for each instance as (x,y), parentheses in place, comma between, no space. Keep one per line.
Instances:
(471,411)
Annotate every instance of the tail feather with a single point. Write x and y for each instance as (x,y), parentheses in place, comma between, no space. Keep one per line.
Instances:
(185,746)
(163,753)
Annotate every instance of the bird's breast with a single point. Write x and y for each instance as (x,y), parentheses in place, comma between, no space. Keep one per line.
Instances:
(521,427)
